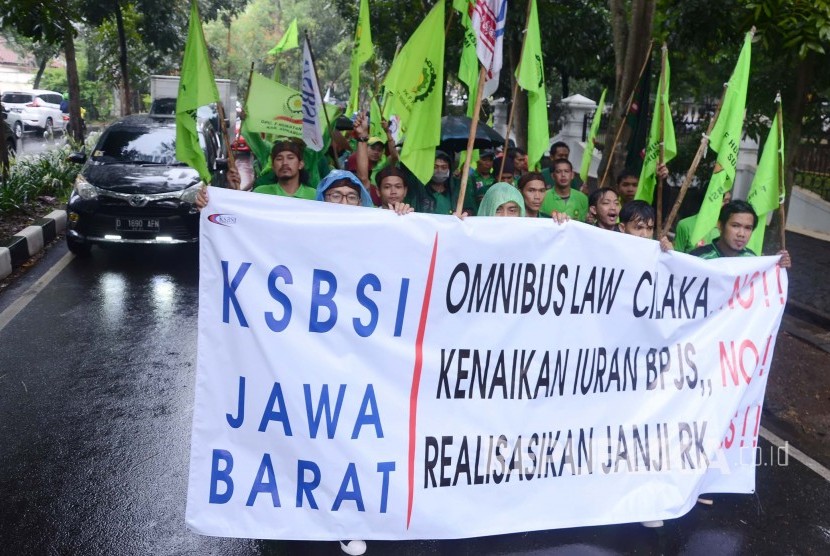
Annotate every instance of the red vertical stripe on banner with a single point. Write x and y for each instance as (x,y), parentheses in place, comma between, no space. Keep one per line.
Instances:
(416,381)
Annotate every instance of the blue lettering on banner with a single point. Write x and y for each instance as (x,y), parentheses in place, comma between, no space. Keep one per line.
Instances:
(401,306)
(221,475)
(318,299)
(278,325)
(269,486)
(324,405)
(385,467)
(368,418)
(304,486)
(269,414)
(236,422)
(368,280)
(344,493)
(229,293)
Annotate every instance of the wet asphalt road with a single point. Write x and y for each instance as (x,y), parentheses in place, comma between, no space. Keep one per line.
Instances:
(97,378)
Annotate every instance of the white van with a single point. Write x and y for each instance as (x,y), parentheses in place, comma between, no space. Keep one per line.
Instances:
(38,108)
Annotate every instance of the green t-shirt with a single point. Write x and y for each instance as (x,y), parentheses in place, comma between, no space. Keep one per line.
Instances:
(304,192)
(711,251)
(683,235)
(575,206)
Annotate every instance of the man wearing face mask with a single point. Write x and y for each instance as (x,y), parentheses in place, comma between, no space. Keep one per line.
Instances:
(440,194)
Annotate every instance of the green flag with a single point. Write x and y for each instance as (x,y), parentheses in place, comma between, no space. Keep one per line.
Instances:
(274,108)
(765,192)
(531,78)
(288,41)
(375,126)
(197,87)
(415,83)
(468,66)
(588,154)
(725,139)
(648,175)
(362,53)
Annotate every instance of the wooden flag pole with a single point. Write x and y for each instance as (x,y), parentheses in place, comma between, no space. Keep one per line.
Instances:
(515,92)
(613,150)
(781,184)
(325,112)
(465,174)
(661,122)
(704,142)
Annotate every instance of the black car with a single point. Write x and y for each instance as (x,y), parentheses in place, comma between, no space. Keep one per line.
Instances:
(133,190)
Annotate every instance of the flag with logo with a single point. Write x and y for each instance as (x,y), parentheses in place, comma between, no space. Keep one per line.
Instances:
(197,87)
(531,78)
(662,114)
(588,153)
(766,193)
(725,140)
(488,19)
(415,83)
(312,102)
(274,108)
(362,53)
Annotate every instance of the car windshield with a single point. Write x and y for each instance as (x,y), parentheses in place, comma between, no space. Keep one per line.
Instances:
(139,146)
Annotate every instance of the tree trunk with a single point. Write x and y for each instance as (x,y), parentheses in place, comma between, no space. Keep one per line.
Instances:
(41,67)
(631,43)
(122,60)
(74,84)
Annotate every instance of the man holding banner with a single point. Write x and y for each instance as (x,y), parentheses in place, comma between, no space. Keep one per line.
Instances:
(736,222)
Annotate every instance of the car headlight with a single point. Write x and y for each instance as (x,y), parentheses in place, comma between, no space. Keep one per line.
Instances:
(85,190)
(189,194)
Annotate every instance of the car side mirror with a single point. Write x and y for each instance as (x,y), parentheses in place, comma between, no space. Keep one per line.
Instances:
(77,158)
(221,164)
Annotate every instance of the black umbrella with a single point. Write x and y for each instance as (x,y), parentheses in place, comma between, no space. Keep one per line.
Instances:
(455,130)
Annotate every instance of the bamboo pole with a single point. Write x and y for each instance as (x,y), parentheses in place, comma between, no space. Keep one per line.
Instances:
(781,184)
(515,92)
(627,108)
(325,112)
(465,174)
(704,142)
(661,122)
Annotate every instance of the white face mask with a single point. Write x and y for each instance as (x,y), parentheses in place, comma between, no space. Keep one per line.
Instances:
(441,177)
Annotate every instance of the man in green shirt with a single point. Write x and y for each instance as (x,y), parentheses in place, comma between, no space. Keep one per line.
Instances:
(440,194)
(560,151)
(562,198)
(684,229)
(482,176)
(286,164)
(736,222)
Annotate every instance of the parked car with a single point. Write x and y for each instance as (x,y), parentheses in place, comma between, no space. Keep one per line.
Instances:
(133,190)
(38,109)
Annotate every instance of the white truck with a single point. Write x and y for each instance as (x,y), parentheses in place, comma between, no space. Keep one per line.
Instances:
(165,88)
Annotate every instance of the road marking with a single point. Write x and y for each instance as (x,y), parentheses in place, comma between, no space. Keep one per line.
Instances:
(21,302)
(796,453)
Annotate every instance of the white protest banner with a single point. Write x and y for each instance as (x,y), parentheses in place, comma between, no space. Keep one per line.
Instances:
(368,375)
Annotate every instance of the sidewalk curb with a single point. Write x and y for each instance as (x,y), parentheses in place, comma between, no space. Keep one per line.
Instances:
(16,250)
